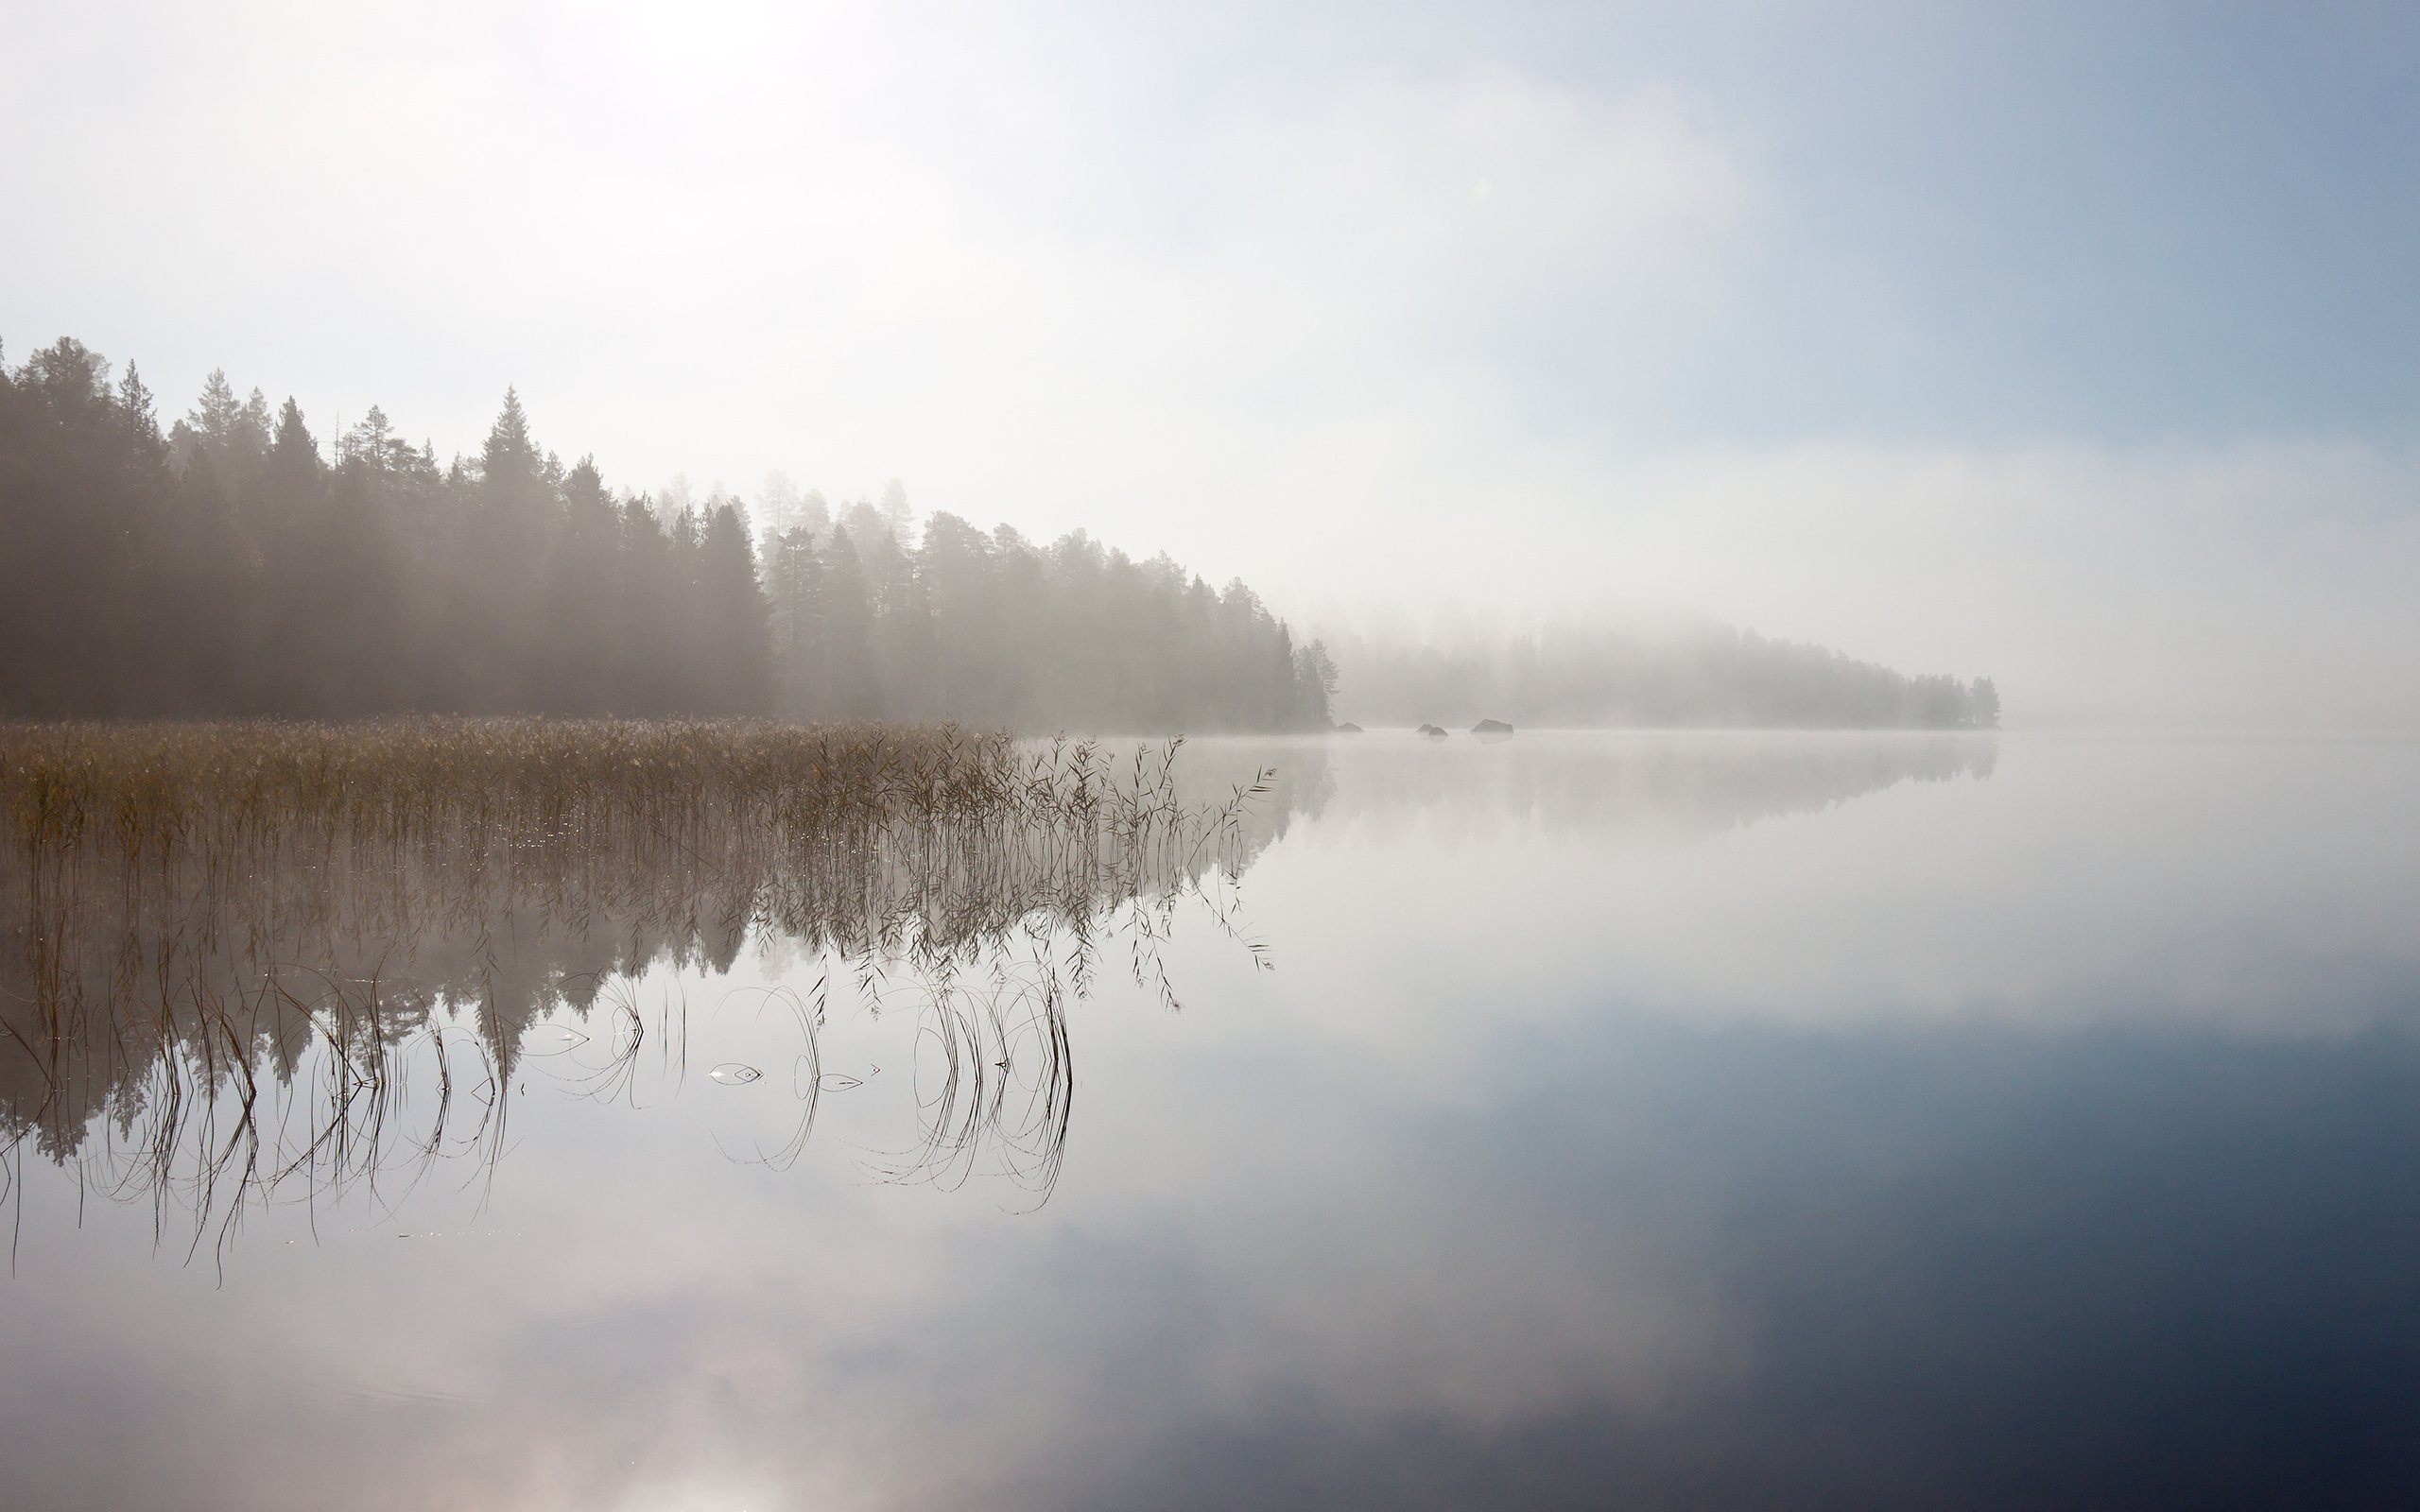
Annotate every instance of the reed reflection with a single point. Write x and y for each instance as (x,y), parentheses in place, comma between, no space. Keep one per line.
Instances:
(249,963)
(254,961)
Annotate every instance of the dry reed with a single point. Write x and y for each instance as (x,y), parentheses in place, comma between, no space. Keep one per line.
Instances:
(206,916)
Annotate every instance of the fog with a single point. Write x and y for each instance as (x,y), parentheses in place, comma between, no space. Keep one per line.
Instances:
(1436,754)
(2262,584)
(2058,346)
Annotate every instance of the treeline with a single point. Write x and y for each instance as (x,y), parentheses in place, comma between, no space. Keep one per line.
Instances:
(1578,677)
(1000,630)
(228,565)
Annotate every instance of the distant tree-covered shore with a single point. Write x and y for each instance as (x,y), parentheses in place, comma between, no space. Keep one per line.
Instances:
(1705,675)
(229,565)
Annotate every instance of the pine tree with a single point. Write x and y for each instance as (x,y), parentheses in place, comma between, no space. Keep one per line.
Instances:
(737,646)
(1984,699)
(215,415)
(794,605)
(898,519)
(848,633)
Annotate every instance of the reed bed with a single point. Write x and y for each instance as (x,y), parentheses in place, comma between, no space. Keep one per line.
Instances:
(153,788)
(215,923)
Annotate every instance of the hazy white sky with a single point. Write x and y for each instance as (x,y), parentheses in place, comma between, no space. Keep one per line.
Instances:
(2071,344)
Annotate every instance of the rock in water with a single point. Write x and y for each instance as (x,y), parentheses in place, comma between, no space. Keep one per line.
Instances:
(1432,731)
(1348,728)
(1490,727)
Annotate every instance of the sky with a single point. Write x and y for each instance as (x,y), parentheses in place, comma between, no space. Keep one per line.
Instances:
(2071,344)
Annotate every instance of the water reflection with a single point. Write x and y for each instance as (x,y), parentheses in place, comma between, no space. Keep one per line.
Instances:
(337,1001)
(205,1008)
(1677,1267)
(1876,1142)
(1596,784)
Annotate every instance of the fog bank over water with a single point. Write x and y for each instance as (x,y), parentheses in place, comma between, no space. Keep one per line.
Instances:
(2064,345)
(2264,585)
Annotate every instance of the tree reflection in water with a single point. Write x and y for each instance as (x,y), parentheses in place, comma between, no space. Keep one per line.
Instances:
(254,963)
(251,964)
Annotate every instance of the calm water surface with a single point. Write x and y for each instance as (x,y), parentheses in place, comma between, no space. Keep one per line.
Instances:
(1710,1120)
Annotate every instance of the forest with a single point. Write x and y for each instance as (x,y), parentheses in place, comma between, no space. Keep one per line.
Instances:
(229,565)
(1577,675)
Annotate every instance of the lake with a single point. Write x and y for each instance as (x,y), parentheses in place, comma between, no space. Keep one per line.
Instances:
(1682,1121)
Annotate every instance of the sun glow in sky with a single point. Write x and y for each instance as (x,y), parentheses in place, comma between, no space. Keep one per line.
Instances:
(2065,343)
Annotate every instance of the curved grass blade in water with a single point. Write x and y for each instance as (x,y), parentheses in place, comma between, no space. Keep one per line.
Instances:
(290,953)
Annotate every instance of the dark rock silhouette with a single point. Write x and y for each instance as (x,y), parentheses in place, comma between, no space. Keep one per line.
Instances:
(1490,727)
(1432,731)
(1348,728)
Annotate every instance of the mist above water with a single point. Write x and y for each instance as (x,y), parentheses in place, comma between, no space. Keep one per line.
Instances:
(1847,1086)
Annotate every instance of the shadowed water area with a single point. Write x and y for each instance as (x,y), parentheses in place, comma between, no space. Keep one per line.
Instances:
(1575,1120)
